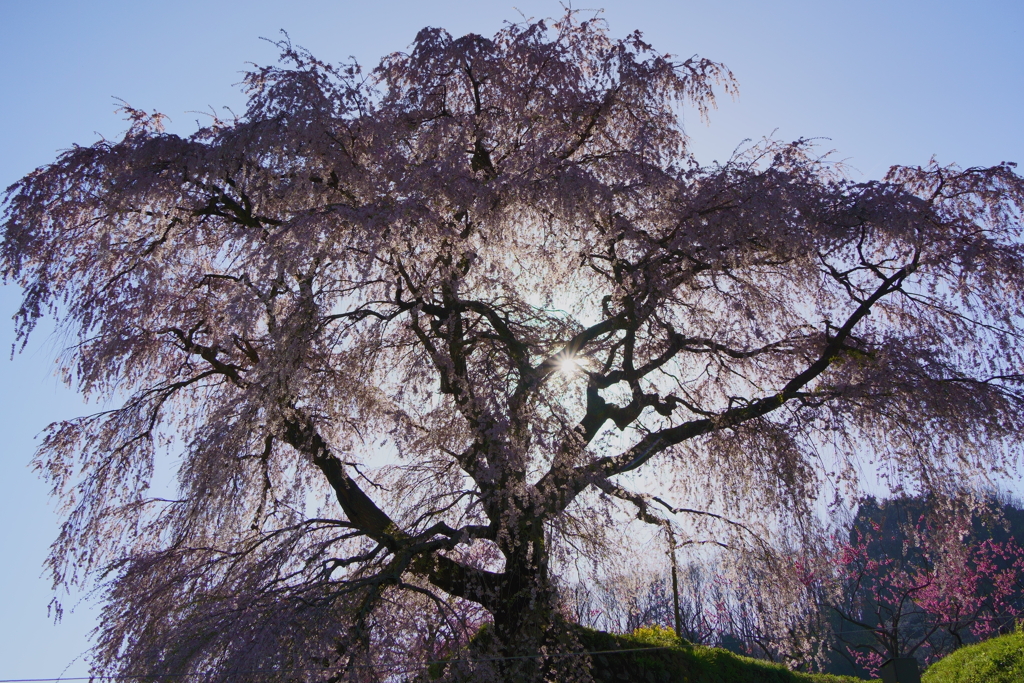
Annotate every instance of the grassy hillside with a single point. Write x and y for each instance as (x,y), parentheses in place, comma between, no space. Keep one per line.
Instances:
(655,655)
(1000,660)
(683,663)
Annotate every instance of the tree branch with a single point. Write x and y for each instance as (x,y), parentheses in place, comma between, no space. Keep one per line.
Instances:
(561,485)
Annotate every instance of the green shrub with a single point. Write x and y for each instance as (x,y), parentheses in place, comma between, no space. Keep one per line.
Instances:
(657,636)
(999,660)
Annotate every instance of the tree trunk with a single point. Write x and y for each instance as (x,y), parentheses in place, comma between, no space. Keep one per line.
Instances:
(531,638)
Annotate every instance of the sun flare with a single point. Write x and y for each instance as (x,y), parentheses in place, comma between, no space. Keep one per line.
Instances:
(569,365)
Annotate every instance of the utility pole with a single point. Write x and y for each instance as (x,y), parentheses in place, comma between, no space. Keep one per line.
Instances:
(675,581)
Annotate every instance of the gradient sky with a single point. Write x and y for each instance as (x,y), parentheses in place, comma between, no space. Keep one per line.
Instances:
(891,82)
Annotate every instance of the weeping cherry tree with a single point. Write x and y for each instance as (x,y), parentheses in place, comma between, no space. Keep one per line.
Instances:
(408,339)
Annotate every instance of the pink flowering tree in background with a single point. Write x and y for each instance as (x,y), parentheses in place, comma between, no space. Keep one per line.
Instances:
(925,593)
(976,592)
(416,342)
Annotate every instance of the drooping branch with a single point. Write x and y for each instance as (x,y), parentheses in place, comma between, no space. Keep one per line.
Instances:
(424,555)
(560,486)
(479,585)
(658,441)
(362,512)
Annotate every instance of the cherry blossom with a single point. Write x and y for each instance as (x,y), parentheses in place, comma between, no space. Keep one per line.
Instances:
(343,319)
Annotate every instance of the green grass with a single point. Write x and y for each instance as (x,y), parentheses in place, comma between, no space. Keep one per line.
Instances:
(683,663)
(1000,660)
(655,655)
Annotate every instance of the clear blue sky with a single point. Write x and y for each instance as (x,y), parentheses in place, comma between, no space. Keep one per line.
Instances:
(889,82)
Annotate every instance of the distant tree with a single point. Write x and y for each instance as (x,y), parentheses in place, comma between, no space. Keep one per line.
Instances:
(925,590)
(774,610)
(380,326)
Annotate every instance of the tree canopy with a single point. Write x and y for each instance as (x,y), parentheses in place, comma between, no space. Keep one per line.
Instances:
(408,338)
